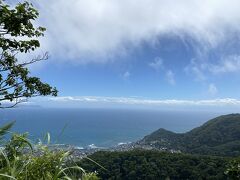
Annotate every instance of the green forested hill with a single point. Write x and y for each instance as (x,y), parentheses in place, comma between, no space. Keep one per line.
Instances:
(219,136)
(152,165)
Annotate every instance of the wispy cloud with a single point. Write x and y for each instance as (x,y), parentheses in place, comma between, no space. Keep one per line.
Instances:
(157,64)
(201,68)
(170,77)
(195,68)
(212,89)
(141,101)
(126,75)
(228,64)
(83,30)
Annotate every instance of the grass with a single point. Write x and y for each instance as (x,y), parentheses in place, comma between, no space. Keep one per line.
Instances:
(20,159)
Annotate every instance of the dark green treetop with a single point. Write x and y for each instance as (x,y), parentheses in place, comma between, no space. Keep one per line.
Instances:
(19,35)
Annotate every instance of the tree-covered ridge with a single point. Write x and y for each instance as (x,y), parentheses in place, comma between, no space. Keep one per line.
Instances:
(219,136)
(145,164)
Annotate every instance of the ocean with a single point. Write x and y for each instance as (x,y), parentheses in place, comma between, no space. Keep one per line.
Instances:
(99,127)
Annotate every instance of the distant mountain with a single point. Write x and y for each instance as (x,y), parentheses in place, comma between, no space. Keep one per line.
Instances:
(219,136)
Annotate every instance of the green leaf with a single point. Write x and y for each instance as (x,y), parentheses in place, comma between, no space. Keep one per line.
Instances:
(5,128)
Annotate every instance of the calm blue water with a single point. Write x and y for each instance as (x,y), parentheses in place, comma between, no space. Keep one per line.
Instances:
(102,127)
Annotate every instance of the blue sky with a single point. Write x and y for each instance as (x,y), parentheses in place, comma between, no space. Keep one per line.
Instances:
(158,50)
(148,71)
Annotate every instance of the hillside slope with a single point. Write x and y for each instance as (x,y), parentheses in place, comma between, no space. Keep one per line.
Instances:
(219,136)
(152,165)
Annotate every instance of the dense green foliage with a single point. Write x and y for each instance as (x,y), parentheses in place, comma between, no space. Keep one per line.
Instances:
(22,160)
(219,136)
(233,169)
(18,35)
(143,164)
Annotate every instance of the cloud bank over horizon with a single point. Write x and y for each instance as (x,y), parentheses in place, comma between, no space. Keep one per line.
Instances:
(96,31)
(137,102)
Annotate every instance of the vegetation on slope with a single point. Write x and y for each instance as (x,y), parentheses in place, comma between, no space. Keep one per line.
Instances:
(219,136)
(145,164)
(22,160)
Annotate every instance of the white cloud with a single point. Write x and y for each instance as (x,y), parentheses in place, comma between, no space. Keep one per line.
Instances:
(195,68)
(157,64)
(212,89)
(201,68)
(83,30)
(170,77)
(226,65)
(141,101)
(126,75)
